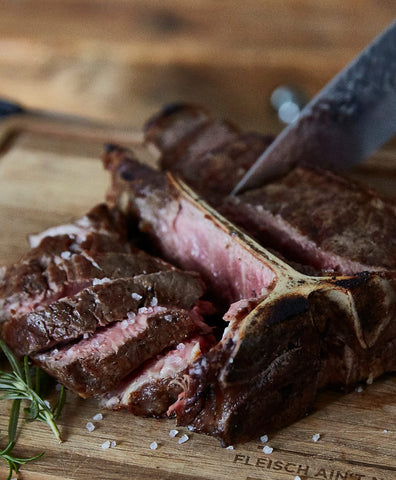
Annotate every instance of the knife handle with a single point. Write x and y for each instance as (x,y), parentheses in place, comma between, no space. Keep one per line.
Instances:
(8,108)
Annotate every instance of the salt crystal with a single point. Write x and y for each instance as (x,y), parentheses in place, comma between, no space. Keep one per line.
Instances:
(90,427)
(113,444)
(315,437)
(181,347)
(183,439)
(154,301)
(190,428)
(297,477)
(370,379)
(112,402)
(58,387)
(124,324)
(385,431)
(106,445)
(154,446)
(100,281)
(97,417)
(47,403)
(136,296)
(230,448)
(168,318)
(173,433)
(359,389)
(65,255)
(55,351)
(86,335)
(143,310)
(264,438)
(268,450)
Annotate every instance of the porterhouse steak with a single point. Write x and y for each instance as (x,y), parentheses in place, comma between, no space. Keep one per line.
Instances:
(110,320)
(288,334)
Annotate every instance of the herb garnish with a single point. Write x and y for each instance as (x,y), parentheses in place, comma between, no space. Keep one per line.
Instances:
(17,386)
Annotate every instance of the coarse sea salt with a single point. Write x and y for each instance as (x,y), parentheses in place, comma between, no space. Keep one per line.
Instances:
(230,447)
(136,296)
(297,477)
(106,445)
(264,438)
(268,450)
(153,446)
(90,427)
(113,444)
(359,389)
(316,437)
(173,433)
(100,281)
(168,318)
(154,302)
(183,439)
(65,255)
(97,417)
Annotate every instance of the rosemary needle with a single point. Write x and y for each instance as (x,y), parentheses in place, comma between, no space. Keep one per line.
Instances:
(17,385)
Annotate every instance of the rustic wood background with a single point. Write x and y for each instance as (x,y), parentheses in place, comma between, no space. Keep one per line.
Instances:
(120,60)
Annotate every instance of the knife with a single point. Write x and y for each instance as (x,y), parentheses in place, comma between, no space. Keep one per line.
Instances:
(350,118)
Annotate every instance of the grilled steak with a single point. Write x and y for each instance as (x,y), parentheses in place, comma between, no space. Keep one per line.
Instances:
(90,308)
(289,334)
(321,219)
(311,217)
(99,363)
(72,317)
(63,262)
(211,155)
(157,384)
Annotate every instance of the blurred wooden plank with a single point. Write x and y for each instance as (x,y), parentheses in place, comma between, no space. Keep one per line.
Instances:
(121,60)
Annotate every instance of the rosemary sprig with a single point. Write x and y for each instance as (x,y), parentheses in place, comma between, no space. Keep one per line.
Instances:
(17,386)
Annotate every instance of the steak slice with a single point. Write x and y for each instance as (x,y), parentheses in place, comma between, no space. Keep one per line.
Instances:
(72,317)
(32,284)
(52,268)
(99,363)
(321,219)
(151,390)
(286,330)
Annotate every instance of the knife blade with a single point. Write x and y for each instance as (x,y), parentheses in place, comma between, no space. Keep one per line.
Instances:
(350,118)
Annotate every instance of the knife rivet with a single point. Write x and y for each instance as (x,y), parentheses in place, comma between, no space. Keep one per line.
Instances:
(288,101)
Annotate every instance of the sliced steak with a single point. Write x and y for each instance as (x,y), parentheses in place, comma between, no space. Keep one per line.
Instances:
(321,219)
(33,284)
(152,389)
(286,331)
(99,363)
(70,318)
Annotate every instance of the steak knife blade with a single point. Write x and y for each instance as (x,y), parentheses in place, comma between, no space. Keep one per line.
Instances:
(350,118)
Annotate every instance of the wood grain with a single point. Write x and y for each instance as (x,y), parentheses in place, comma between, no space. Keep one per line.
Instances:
(49,179)
(121,60)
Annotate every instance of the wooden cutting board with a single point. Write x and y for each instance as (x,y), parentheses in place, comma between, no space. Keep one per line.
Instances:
(50,172)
